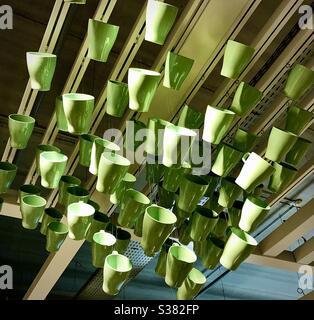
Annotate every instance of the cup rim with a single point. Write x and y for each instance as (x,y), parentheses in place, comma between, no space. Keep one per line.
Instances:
(104,238)
(196,179)
(122,234)
(113,26)
(222,110)
(181,131)
(41,54)
(71,179)
(123,258)
(258,202)
(197,276)
(239,44)
(41,201)
(7,166)
(78,97)
(129,177)
(172,216)
(145,72)
(82,192)
(88,137)
(118,83)
(303,110)
(216,242)
(48,147)
(162,4)
(87,211)
(286,166)
(54,225)
(58,156)
(107,144)
(21,118)
(206,212)
(30,188)
(191,254)
(53,213)
(116,159)
(243,236)
(283,131)
(136,196)
(101,217)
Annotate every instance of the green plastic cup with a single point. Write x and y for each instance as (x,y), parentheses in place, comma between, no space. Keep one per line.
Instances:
(86,144)
(78,110)
(127,182)
(212,203)
(50,215)
(221,226)
(298,151)
(279,144)
(123,239)
(245,99)
(135,135)
(177,69)
(211,252)
(217,123)
(297,119)
(160,268)
(158,224)
(133,205)
(32,208)
(154,169)
(184,233)
(65,183)
(102,245)
(41,148)
(160,18)
(62,123)
(41,67)
(238,247)
(112,168)
(76,194)
(236,57)
(142,88)
(27,189)
(235,214)
(20,129)
(180,262)
(229,191)
(166,198)
(7,174)
(202,223)
(284,174)
(190,118)
(117,98)
(192,285)
(56,234)
(99,222)
(244,140)
(173,177)
(253,213)
(213,181)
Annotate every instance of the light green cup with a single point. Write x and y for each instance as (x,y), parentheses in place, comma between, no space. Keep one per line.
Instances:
(300,79)
(41,67)
(154,169)
(158,224)
(86,144)
(160,18)
(177,69)
(297,119)
(177,144)
(253,213)
(112,168)
(298,151)
(99,222)
(161,264)
(213,204)
(245,99)
(52,166)
(50,215)
(117,98)
(211,252)
(192,189)
(192,285)
(283,175)
(56,234)
(279,144)
(180,262)
(123,239)
(229,191)
(79,215)
(238,247)
(203,222)
(173,177)
(155,136)
(41,148)
(184,233)
(133,205)
(190,118)
(165,198)
(27,189)
(7,174)
(142,88)
(101,37)
(60,115)
(65,183)
(221,226)
(100,146)
(235,214)
(244,140)
(116,271)
(32,208)
(217,123)
(133,141)
(76,194)
(102,245)
(126,183)
(227,158)
(236,57)
(254,171)
(78,110)
(20,129)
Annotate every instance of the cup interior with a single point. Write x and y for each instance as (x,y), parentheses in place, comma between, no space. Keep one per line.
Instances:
(129,178)
(137,196)
(42,54)
(162,215)
(34,201)
(107,144)
(70,180)
(119,263)
(78,97)
(101,217)
(81,209)
(118,83)
(47,147)
(95,205)
(104,238)
(116,159)
(54,213)
(197,276)
(58,227)
(243,236)
(145,72)
(207,213)
(259,202)
(78,191)
(22,118)
(196,179)
(183,254)
(7,166)
(29,188)
(123,234)
(54,156)
(217,242)
(89,137)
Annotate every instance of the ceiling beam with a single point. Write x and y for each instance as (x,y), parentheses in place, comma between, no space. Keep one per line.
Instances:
(290,231)
(305,253)
(309,296)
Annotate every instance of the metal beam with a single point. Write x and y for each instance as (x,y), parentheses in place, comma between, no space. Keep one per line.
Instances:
(309,296)
(291,230)
(305,253)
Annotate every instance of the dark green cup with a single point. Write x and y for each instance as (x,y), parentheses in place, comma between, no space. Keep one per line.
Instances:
(127,182)
(65,183)
(86,144)
(7,174)
(174,175)
(166,198)
(154,169)
(190,118)
(235,214)
(211,252)
(284,174)
(212,203)
(229,191)
(99,222)
(123,239)
(298,151)
(50,215)
(297,119)
(117,98)
(221,226)
(160,268)
(184,233)
(28,189)
(76,194)
(102,245)
(56,234)
(244,140)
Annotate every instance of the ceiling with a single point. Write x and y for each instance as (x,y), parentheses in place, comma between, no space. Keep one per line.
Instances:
(24,249)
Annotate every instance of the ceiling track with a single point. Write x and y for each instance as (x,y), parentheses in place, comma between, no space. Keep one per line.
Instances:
(77,72)
(48,43)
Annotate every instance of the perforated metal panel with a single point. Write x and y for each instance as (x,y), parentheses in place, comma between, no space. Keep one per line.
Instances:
(93,289)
